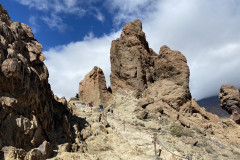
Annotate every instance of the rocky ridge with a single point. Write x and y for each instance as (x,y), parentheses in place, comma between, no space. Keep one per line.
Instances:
(230,101)
(29,113)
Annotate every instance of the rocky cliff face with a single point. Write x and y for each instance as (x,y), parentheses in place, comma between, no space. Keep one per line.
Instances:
(131,63)
(93,88)
(230,101)
(159,77)
(171,79)
(29,114)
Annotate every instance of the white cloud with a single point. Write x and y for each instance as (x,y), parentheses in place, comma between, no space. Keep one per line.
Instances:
(52,10)
(68,64)
(206,32)
(128,10)
(54,22)
(99,16)
(88,37)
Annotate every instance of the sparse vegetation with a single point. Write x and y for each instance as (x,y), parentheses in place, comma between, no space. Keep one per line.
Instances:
(176,129)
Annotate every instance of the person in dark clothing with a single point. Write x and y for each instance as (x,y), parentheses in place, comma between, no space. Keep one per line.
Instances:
(101,107)
(90,104)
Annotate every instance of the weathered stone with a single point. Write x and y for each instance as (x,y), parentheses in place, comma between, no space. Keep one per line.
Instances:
(63,101)
(142,114)
(33,57)
(230,101)
(46,149)
(4,16)
(130,59)
(11,68)
(9,153)
(29,114)
(93,88)
(135,66)
(34,154)
(66,147)
(86,133)
(34,47)
(41,58)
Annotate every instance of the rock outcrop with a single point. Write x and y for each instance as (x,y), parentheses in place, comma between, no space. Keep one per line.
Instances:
(230,101)
(29,114)
(93,88)
(160,77)
(131,63)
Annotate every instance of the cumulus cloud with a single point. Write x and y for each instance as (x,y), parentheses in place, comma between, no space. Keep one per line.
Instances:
(128,10)
(206,32)
(68,64)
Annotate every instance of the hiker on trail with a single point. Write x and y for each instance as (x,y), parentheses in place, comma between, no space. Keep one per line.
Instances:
(77,95)
(101,107)
(90,104)
(110,110)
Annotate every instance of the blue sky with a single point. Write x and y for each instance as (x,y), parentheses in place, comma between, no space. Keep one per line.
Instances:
(76,36)
(53,28)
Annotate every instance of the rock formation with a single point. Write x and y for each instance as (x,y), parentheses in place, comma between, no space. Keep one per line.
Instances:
(93,88)
(131,63)
(156,77)
(230,101)
(29,114)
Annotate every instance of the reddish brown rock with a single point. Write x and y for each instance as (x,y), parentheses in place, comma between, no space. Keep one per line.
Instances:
(29,114)
(130,59)
(163,77)
(230,101)
(93,88)
(171,79)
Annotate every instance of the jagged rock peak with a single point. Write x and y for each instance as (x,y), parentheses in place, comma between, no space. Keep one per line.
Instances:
(132,28)
(133,35)
(137,67)
(230,101)
(4,16)
(93,88)
(128,55)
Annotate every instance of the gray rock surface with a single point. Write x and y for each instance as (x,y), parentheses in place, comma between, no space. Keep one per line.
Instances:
(230,101)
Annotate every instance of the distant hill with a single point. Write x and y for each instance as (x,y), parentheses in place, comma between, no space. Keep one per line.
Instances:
(212,104)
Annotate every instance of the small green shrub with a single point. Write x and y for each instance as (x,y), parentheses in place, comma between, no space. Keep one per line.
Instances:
(176,129)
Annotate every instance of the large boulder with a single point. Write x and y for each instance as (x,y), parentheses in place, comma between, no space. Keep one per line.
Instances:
(29,114)
(230,101)
(93,88)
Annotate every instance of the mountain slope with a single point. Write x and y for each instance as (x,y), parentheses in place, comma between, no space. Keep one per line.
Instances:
(212,104)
